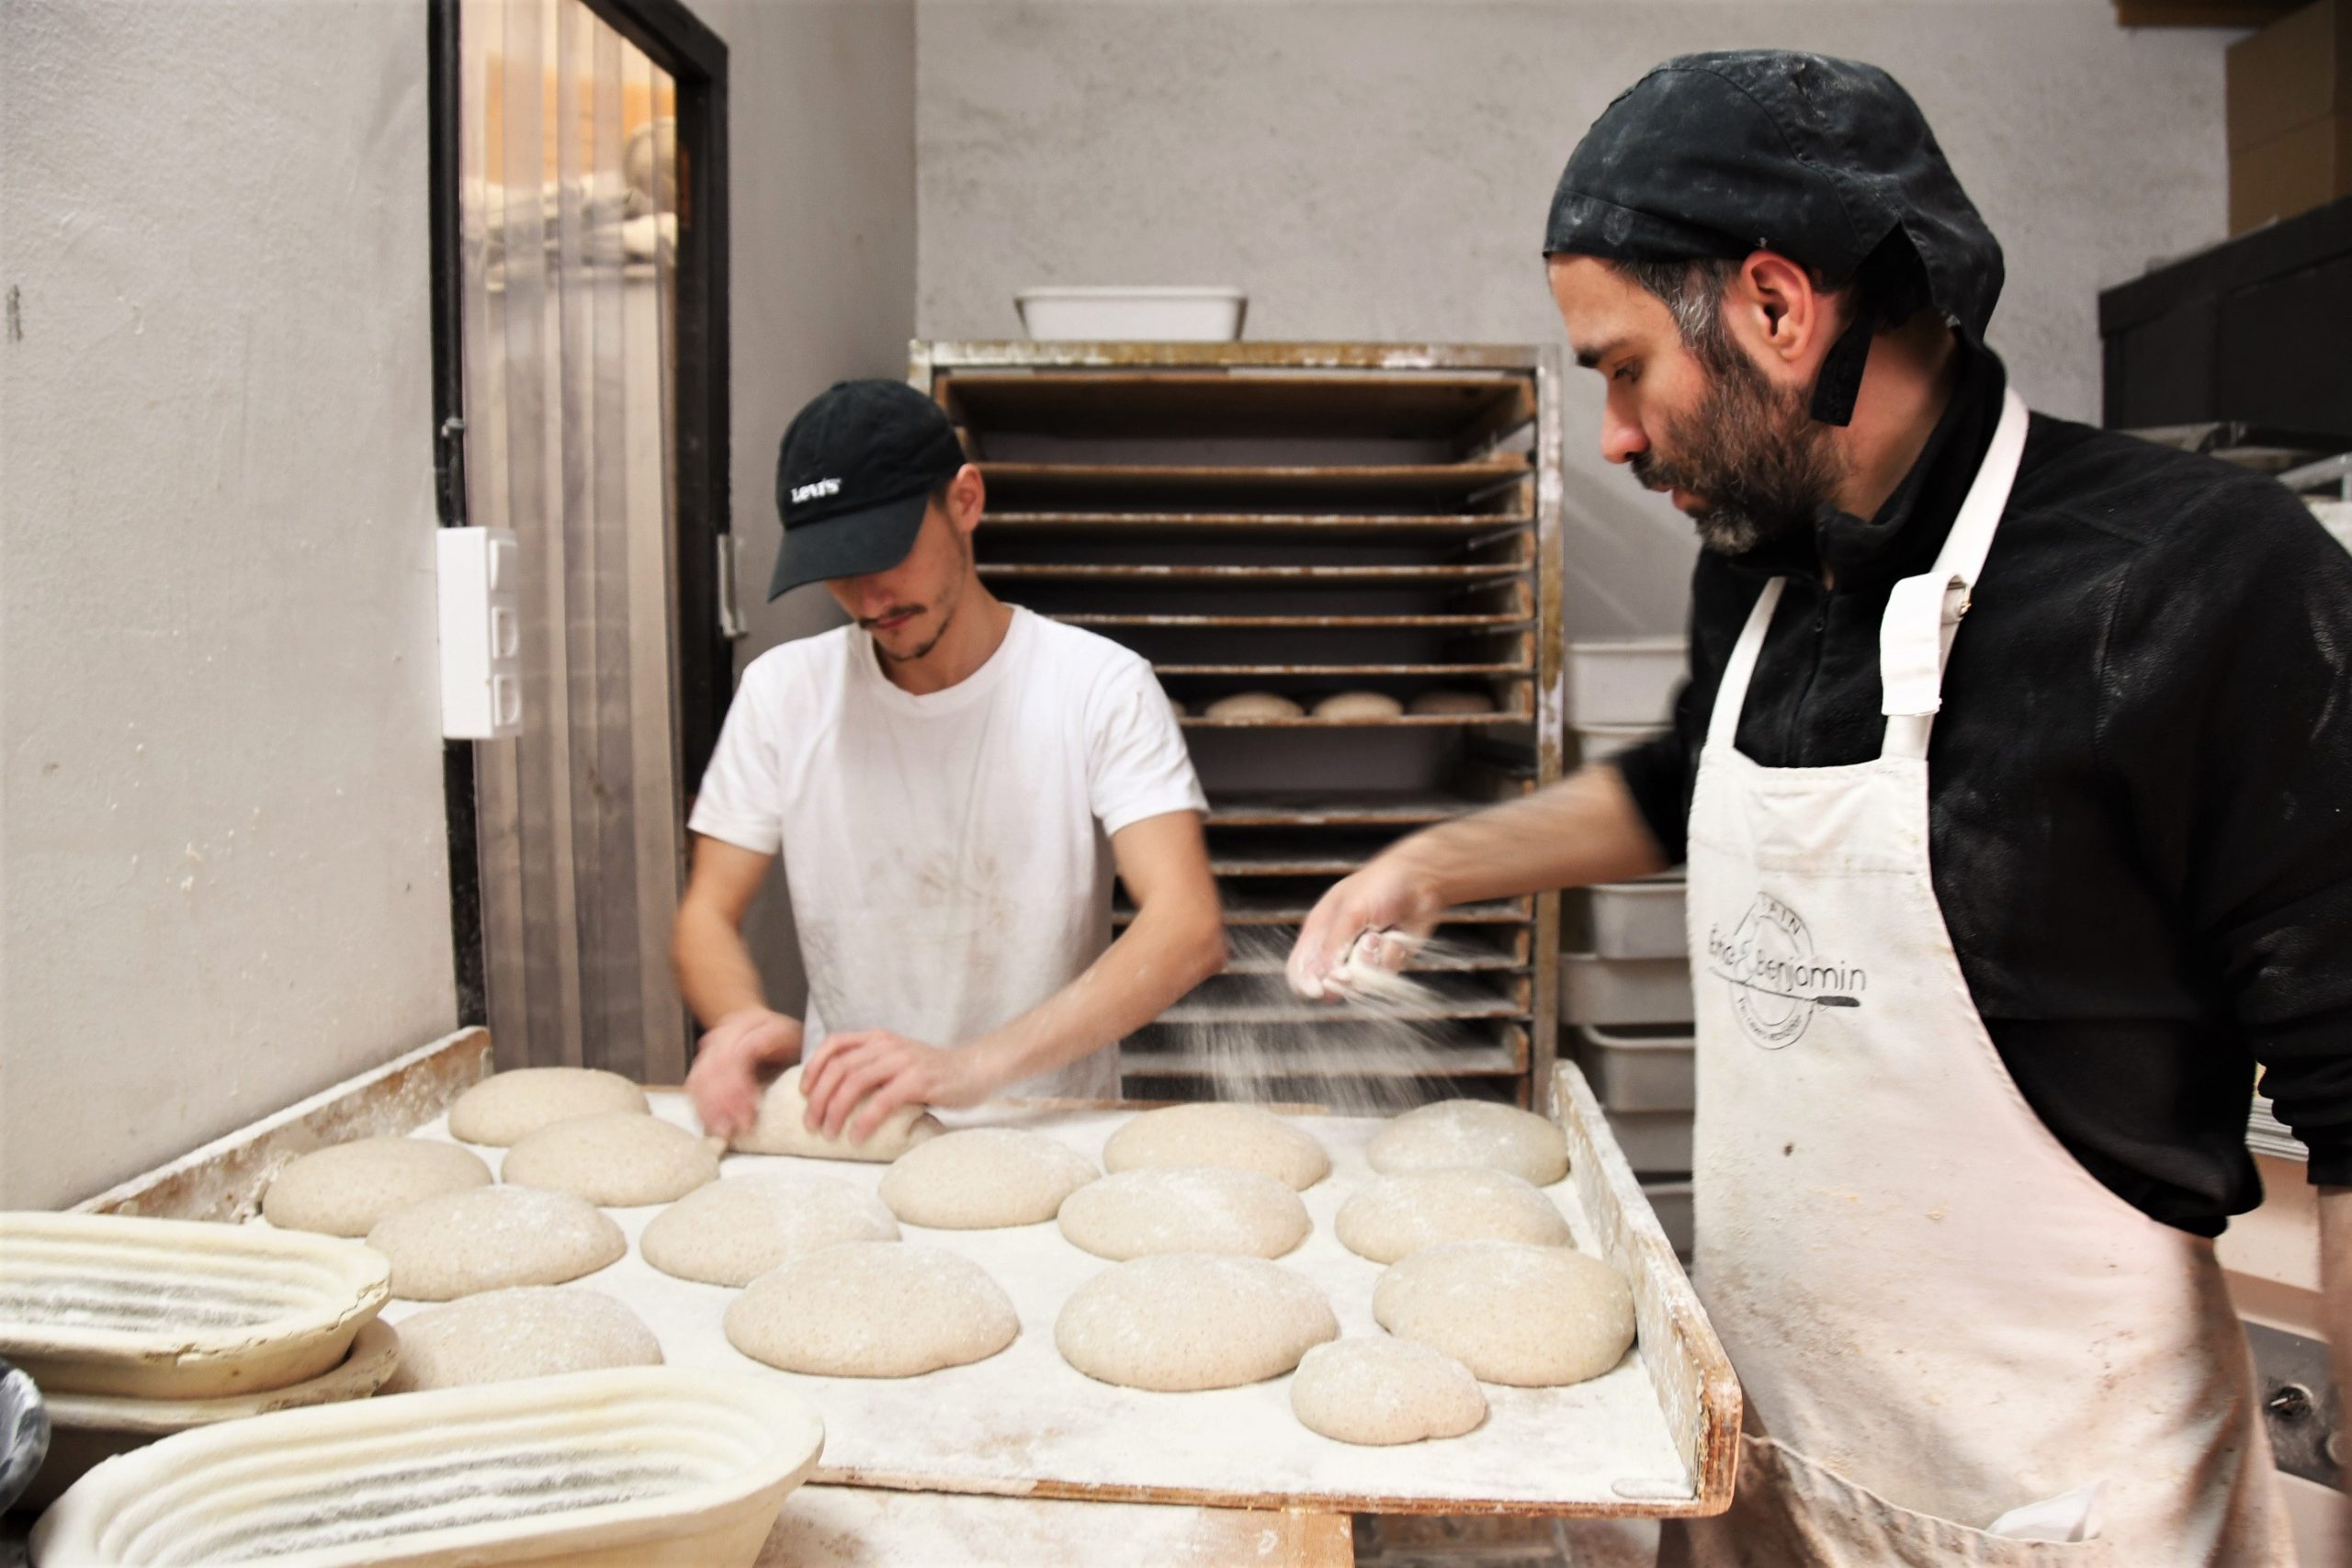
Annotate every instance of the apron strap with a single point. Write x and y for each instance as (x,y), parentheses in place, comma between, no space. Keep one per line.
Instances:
(1731,696)
(1923,612)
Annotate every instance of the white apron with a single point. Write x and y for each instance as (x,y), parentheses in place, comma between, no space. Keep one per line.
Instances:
(1937,1314)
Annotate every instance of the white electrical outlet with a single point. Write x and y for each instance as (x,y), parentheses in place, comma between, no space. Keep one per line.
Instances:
(482,637)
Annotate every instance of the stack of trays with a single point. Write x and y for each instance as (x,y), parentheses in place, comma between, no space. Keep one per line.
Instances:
(136,1328)
(1626,998)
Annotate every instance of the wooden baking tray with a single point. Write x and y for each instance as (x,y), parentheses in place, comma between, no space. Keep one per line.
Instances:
(1656,1438)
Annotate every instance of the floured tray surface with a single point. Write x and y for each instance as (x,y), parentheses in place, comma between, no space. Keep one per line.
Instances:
(178,1309)
(584,1468)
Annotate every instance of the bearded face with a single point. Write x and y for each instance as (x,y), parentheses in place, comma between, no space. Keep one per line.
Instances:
(1755,463)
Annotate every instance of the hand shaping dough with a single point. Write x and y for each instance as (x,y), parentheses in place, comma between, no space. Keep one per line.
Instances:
(1246,1137)
(1430,702)
(1398,1215)
(872,1309)
(779,1129)
(1255,705)
(486,1240)
(1188,1320)
(1570,1317)
(1359,704)
(535,1331)
(737,1228)
(1377,1390)
(618,1160)
(345,1189)
(1471,1133)
(1160,1209)
(508,1107)
(984,1179)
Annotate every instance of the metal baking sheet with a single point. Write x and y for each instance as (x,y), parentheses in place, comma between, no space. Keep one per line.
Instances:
(1024,1423)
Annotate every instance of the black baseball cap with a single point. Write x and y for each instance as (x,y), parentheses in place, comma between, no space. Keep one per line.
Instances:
(1721,155)
(854,478)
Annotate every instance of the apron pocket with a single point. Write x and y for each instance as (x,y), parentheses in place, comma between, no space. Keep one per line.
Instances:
(1789,1510)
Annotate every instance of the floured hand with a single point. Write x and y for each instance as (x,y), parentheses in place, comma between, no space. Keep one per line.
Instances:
(724,1082)
(872,1072)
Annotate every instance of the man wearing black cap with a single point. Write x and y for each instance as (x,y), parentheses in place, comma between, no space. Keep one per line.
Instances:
(951,782)
(1978,1019)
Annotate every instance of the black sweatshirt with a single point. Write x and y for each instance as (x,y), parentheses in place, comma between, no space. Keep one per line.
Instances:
(2140,786)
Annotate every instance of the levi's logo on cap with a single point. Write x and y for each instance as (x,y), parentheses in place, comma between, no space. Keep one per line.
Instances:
(815,489)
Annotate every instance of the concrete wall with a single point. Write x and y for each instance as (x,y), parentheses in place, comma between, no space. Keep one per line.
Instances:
(823,215)
(1382,170)
(225,875)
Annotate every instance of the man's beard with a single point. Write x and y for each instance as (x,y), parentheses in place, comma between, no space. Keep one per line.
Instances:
(1755,459)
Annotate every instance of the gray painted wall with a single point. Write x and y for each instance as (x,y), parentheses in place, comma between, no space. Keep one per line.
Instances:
(824,153)
(1381,170)
(225,876)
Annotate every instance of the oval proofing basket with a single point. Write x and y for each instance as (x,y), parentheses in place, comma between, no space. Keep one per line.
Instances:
(178,1309)
(644,1466)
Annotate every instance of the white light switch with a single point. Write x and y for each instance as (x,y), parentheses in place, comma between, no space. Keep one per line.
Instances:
(482,641)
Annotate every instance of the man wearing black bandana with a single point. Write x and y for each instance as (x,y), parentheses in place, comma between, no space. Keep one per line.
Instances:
(2013,775)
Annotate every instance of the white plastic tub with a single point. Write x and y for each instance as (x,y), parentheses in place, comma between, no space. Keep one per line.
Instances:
(1657,1143)
(1639,919)
(649,1466)
(1637,1068)
(1137,315)
(1624,679)
(1624,990)
(1599,743)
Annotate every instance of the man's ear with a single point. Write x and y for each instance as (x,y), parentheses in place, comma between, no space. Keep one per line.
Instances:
(968,497)
(1773,304)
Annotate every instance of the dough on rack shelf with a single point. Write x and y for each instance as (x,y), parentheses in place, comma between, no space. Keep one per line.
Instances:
(505,1108)
(738,1227)
(984,1179)
(1532,1316)
(1138,1214)
(872,1309)
(1471,1133)
(1359,704)
(1247,1138)
(616,1160)
(1254,705)
(460,1244)
(1396,1216)
(1375,1390)
(779,1129)
(345,1189)
(1190,1320)
(532,1331)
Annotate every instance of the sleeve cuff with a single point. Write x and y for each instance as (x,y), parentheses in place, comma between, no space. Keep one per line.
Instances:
(1135,811)
(760,838)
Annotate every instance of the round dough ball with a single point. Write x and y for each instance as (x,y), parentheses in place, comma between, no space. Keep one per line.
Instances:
(1398,1215)
(872,1309)
(1246,1137)
(1376,1390)
(1191,1320)
(345,1189)
(737,1228)
(508,1107)
(619,1160)
(1532,1316)
(780,1130)
(1176,706)
(1432,702)
(984,1179)
(535,1331)
(1255,705)
(462,1244)
(1471,1133)
(1138,1214)
(1359,704)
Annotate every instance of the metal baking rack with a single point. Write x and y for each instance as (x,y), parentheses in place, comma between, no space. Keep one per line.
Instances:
(1306,520)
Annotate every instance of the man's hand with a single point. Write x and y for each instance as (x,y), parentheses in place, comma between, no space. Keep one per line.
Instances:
(1391,894)
(724,1082)
(872,1072)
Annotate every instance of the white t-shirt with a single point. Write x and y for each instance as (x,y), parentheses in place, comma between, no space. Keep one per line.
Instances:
(948,855)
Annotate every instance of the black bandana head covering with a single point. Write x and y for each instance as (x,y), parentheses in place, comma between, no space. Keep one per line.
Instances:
(1823,161)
